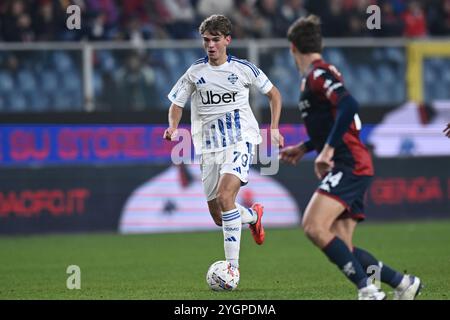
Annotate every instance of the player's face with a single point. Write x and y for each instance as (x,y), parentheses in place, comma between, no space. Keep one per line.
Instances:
(215,46)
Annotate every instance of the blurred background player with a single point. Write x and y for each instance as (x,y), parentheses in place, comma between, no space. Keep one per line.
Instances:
(343,164)
(224,129)
(447,130)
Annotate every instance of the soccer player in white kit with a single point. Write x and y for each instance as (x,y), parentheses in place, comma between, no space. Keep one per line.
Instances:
(224,129)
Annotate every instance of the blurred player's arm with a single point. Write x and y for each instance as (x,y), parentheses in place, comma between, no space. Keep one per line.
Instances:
(347,107)
(447,130)
(175,113)
(275,101)
(179,95)
(293,154)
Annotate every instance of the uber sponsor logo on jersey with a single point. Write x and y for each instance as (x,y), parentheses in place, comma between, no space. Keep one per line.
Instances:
(217,98)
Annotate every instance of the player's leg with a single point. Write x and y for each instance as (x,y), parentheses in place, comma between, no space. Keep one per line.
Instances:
(238,164)
(227,191)
(344,228)
(248,215)
(215,211)
(322,211)
(210,179)
(407,287)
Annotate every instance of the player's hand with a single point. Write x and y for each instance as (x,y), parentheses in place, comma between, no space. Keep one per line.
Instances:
(276,138)
(447,130)
(292,154)
(324,163)
(170,133)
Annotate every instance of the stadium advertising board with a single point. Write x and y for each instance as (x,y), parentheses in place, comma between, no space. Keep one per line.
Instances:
(402,188)
(40,145)
(161,198)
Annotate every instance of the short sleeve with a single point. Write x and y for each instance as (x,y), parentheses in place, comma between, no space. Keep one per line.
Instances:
(182,90)
(326,84)
(254,76)
(262,82)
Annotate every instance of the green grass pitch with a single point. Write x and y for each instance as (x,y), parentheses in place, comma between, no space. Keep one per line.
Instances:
(173,266)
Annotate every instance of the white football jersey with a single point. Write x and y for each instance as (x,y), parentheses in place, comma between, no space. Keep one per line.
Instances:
(220,112)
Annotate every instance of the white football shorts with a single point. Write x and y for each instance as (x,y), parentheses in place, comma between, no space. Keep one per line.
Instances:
(235,160)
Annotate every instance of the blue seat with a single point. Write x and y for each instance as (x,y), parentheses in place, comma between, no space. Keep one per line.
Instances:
(189,56)
(106,60)
(26,81)
(162,88)
(6,82)
(429,75)
(441,92)
(39,101)
(445,74)
(365,75)
(62,61)
(2,103)
(49,81)
(396,55)
(398,93)
(378,54)
(335,56)
(71,81)
(436,63)
(97,83)
(62,101)
(362,94)
(17,102)
(173,62)
(386,74)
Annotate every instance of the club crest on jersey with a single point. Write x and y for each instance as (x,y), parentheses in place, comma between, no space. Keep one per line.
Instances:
(232,78)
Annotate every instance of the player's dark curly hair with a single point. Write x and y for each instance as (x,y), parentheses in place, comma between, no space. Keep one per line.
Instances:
(306,34)
(216,25)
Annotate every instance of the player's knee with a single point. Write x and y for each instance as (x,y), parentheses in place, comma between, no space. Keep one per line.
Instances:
(225,199)
(314,232)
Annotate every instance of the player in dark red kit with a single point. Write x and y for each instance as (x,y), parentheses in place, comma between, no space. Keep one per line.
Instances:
(343,164)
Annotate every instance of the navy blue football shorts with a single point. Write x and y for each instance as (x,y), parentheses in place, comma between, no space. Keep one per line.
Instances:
(349,189)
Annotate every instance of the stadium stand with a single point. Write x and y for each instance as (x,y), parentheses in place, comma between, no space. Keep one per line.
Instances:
(36,80)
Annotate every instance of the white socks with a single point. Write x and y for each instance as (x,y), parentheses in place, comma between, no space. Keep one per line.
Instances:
(404,283)
(247,214)
(231,226)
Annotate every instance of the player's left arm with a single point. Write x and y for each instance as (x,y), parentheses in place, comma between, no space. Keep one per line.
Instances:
(257,78)
(275,102)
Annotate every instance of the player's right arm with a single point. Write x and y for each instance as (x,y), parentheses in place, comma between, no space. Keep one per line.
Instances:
(293,154)
(175,113)
(447,130)
(179,95)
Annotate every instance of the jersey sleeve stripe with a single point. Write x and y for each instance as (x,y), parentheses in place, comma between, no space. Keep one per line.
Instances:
(248,64)
(251,65)
(199,61)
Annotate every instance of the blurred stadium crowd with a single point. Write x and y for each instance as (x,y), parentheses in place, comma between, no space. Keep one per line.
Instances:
(44,20)
(53,78)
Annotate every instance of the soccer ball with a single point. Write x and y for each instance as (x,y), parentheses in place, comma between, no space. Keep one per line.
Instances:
(221,276)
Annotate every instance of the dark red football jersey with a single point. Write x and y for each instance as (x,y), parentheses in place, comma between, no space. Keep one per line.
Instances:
(321,92)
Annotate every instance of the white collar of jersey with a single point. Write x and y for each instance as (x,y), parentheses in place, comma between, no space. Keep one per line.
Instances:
(223,65)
